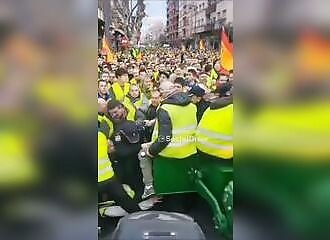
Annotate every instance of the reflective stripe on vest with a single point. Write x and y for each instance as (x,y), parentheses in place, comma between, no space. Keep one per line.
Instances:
(182,144)
(214,135)
(188,129)
(214,132)
(105,170)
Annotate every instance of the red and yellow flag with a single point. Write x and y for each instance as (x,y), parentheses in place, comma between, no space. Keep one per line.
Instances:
(226,52)
(313,54)
(107,51)
(201,44)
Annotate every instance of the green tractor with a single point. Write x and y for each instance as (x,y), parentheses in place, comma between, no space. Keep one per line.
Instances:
(211,179)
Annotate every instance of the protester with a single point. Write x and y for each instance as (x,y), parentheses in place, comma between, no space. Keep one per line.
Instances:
(154,95)
(197,97)
(103,91)
(139,100)
(152,113)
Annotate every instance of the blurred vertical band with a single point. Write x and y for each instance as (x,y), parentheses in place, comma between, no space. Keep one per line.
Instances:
(47,128)
(282,116)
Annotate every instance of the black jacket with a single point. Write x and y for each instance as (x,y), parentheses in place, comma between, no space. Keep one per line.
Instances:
(127,142)
(150,115)
(126,139)
(221,102)
(165,124)
(151,112)
(202,105)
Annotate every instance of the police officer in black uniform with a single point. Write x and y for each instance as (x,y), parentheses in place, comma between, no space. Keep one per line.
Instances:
(127,139)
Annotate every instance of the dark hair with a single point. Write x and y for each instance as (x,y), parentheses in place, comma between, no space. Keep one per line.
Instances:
(193,71)
(180,81)
(142,69)
(163,73)
(208,68)
(113,104)
(231,71)
(130,76)
(121,72)
(100,80)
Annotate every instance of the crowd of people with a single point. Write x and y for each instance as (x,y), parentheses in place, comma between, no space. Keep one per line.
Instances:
(151,106)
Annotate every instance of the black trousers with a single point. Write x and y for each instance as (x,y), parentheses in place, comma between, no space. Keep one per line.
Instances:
(115,191)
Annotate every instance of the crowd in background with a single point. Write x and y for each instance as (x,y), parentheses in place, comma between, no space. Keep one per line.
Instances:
(129,96)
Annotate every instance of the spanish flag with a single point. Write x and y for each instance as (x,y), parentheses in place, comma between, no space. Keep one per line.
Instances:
(107,51)
(201,45)
(226,52)
(313,54)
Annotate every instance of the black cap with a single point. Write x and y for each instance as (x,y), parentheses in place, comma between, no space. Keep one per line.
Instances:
(197,91)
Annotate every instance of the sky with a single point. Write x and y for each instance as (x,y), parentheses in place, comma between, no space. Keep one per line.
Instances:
(155,11)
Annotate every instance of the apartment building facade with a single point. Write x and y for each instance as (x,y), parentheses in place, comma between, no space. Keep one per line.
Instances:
(172,23)
(187,21)
(202,20)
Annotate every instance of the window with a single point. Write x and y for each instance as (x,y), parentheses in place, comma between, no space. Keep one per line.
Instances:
(224,13)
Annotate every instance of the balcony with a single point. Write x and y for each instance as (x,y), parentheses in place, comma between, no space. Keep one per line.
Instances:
(209,27)
(211,8)
(219,23)
(200,29)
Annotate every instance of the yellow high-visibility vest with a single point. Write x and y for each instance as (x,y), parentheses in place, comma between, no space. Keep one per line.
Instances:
(104,119)
(119,92)
(105,170)
(18,168)
(184,124)
(155,75)
(211,80)
(121,95)
(215,132)
(133,81)
(214,74)
(139,102)
(131,115)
